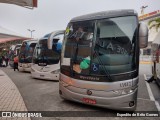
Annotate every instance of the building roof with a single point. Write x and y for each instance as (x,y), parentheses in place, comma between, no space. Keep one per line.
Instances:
(23,3)
(146,18)
(4,32)
(149,15)
(8,35)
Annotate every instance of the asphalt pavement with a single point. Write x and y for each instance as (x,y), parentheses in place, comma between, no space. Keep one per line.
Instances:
(42,95)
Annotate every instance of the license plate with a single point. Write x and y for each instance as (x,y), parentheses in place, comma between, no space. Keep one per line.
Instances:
(89,101)
(41,75)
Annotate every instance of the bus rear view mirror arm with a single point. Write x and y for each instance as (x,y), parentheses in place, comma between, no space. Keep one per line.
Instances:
(143,35)
(50,41)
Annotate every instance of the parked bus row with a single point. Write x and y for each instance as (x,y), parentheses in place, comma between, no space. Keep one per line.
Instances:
(99,61)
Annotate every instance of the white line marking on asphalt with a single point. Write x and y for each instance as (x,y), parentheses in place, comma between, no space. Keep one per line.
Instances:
(151,94)
(144,99)
(157,105)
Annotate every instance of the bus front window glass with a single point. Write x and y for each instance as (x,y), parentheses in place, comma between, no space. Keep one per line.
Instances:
(44,55)
(30,52)
(23,52)
(77,47)
(114,49)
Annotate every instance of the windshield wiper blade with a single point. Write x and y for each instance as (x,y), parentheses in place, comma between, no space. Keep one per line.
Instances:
(100,61)
(74,58)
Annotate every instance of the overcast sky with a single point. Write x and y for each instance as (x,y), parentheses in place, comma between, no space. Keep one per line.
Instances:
(55,14)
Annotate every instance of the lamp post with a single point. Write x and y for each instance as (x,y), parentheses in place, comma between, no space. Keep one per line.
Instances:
(142,9)
(31,31)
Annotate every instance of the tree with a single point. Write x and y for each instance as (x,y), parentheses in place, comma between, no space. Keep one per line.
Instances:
(154,23)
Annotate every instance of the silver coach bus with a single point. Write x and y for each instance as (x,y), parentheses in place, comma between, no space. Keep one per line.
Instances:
(100,59)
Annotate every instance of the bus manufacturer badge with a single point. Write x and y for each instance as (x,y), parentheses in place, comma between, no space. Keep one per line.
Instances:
(89,92)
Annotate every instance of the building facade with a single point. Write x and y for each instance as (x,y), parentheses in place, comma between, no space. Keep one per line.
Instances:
(152,32)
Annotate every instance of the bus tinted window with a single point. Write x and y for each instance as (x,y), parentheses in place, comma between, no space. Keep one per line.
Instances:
(44,55)
(111,49)
(114,45)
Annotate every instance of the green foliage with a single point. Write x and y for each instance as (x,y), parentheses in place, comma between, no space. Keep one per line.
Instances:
(154,23)
(3,53)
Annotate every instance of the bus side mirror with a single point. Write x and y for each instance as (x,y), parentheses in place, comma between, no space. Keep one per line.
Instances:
(143,35)
(51,40)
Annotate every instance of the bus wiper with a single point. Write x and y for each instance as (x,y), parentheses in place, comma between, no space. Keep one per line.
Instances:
(100,61)
(75,54)
(74,58)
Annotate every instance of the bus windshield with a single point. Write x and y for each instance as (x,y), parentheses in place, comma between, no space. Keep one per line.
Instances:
(26,52)
(14,51)
(100,47)
(44,55)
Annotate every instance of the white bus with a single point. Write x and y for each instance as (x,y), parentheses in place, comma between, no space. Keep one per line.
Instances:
(100,59)
(25,55)
(46,62)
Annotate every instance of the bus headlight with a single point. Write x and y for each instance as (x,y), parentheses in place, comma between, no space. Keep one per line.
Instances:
(20,64)
(32,70)
(65,84)
(124,91)
(56,71)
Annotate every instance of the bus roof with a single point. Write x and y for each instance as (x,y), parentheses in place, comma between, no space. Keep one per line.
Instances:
(104,14)
(52,33)
(47,35)
(31,40)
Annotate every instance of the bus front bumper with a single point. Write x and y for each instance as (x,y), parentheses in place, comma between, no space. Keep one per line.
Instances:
(44,75)
(122,103)
(25,69)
